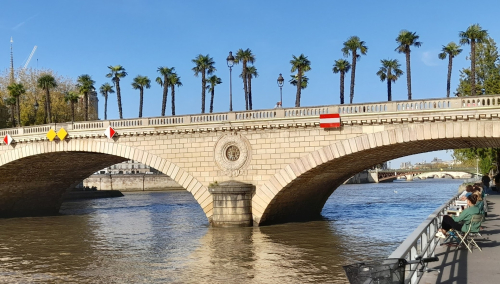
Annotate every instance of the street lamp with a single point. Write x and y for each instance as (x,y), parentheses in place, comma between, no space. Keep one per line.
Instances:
(230,64)
(35,106)
(280,84)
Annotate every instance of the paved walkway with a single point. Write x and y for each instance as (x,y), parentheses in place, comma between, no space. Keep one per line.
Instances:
(460,266)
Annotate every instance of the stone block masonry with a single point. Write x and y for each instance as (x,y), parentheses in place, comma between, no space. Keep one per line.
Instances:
(132,182)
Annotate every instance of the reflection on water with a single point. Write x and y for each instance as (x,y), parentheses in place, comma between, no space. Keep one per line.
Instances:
(163,237)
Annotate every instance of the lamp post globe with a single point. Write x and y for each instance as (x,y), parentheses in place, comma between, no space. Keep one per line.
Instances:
(230,64)
(281,81)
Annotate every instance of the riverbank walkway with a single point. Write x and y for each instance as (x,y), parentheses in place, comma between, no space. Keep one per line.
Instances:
(460,266)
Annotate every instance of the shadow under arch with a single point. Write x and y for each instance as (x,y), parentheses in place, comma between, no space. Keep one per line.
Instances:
(299,191)
(35,175)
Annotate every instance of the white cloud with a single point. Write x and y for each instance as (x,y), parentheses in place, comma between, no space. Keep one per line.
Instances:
(430,58)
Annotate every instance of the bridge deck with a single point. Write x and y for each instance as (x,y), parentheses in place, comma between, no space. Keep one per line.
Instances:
(460,266)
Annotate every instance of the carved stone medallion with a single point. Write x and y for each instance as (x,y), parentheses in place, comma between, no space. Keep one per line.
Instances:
(232,154)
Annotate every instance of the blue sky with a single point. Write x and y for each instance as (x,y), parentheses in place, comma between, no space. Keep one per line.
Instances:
(84,37)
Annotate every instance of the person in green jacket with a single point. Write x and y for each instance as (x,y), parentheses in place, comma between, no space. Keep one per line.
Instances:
(454,222)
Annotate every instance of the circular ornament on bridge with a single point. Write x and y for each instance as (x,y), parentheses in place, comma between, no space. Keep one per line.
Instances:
(232,154)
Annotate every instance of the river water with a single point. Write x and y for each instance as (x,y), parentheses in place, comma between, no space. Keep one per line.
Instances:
(164,237)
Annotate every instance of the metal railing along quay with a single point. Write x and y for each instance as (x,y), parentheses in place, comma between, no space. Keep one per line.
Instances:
(421,242)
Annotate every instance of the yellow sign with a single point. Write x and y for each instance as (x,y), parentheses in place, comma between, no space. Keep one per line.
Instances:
(62,134)
(51,135)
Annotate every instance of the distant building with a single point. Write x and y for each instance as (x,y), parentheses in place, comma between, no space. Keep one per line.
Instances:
(406,165)
(128,167)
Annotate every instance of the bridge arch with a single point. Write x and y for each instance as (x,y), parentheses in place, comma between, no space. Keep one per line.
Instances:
(300,189)
(34,176)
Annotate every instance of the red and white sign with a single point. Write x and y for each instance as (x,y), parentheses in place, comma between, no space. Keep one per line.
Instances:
(329,120)
(7,139)
(110,132)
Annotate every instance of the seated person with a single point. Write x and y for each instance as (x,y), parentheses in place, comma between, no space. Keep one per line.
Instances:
(468,189)
(453,222)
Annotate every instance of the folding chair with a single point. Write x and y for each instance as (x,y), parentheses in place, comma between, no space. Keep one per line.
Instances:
(467,238)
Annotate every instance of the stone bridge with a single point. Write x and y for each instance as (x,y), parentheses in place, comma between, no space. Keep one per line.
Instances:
(293,163)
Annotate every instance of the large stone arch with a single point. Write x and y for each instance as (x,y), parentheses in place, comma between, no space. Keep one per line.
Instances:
(300,190)
(28,168)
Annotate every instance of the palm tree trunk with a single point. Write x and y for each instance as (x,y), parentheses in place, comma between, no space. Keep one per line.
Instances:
(353,75)
(450,59)
(141,90)
(173,99)
(73,111)
(389,90)
(119,98)
(47,95)
(165,95)
(250,92)
(105,107)
(18,111)
(245,86)
(12,115)
(212,91)
(299,87)
(342,74)
(203,86)
(473,67)
(408,73)
(86,104)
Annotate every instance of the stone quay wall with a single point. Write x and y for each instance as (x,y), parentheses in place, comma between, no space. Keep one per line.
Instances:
(132,182)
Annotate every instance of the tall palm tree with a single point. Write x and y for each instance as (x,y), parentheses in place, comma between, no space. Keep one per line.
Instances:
(205,66)
(303,83)
(341,66)
(117,72)
(106,89)
(16,90)
(406,40)
(300,64)
(251,73)
(451,50)
(390,71)
(474,34)
(47,82)
(11,101)
(174,80)
(213,81)
(85,85)
(351,47)
(245,56)
(165,72)
(72,98)
(139,83)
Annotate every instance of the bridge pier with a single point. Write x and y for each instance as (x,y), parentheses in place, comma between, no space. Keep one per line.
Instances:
(232,204)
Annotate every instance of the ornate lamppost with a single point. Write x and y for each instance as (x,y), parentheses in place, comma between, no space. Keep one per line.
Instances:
(35,106)
(280,81)
(230,64)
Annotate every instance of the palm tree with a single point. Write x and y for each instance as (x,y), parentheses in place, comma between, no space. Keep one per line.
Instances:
(47,82)
(85,85)
(390,71)
(213,81)
(174,80)
(16,90)
(205,66)
(303,83)
(72,98)
(106,89)
(405,40)
(251,73)
(341,66)
(245,56)
(450,51)
(11,101)
(117,72)
(300,64)
(474,34)
(139,83)
(165,72)
(351,47)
